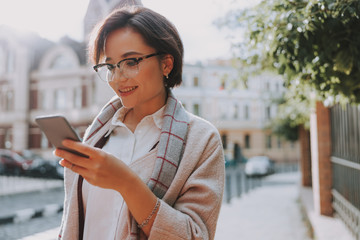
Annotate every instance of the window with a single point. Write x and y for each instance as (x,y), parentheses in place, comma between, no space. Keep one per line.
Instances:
(268,113)
(224,140)
(268,141)
(196,81)
(246,112)
(84,96)
(60,99)
(34,138)
(247,141)
(237,152)
(8,138)
(2,138)
(236,111)
(33,99)
(77,97)
(62,62)
(196,109)
(9,101)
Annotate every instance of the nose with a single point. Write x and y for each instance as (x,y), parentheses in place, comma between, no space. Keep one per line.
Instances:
(118,75)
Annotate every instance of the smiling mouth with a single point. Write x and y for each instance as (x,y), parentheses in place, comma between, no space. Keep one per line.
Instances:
(129,89)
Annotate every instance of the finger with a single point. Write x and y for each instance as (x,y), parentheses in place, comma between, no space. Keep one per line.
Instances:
(79,147)
(72,158)
(75,168)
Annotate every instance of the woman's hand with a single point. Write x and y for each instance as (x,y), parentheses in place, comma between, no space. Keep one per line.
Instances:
(100,169)
(106,171)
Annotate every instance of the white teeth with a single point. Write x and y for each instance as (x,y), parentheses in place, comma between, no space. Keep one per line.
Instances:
(127,89)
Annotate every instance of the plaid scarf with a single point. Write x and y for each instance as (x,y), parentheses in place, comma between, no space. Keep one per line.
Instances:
(170,147)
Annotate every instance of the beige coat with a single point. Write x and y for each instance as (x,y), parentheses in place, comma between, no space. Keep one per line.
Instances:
(190,208)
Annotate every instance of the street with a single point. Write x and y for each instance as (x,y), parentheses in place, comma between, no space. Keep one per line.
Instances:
(267,211)
(43,196)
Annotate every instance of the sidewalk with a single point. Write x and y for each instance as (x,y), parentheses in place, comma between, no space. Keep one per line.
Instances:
(270,212)
(22,199)
(324,228)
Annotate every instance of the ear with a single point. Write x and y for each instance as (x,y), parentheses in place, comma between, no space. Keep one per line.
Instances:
(167,64)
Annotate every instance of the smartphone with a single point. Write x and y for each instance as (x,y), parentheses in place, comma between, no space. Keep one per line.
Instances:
(56,129)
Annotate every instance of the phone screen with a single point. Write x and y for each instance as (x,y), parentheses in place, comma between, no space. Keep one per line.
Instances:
(56,129)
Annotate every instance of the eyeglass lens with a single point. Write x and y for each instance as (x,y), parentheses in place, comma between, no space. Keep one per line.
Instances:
(127,69)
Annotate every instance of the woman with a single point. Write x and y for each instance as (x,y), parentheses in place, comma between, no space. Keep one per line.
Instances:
(154,171)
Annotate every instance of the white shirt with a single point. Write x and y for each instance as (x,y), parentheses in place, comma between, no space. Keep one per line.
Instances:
(102,207)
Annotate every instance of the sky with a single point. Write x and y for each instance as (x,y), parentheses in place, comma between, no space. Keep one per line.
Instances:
(53,19)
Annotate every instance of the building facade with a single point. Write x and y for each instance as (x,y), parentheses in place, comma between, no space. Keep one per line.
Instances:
(39,77)
(240,113)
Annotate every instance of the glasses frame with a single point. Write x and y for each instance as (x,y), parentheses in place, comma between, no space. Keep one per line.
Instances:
(110,66)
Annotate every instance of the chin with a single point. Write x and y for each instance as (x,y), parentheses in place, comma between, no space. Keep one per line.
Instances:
(127,104)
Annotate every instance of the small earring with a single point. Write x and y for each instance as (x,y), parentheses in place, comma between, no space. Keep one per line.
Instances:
(167,76)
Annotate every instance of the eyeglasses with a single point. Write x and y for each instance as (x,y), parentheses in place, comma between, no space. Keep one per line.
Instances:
(129,67)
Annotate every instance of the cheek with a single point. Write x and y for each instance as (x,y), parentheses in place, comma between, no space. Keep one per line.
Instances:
(154,82)
(153,77)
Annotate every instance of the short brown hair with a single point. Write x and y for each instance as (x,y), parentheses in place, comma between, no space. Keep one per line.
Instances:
(158,32)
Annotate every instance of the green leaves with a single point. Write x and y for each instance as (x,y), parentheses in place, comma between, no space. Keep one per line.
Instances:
(315,41)
(343,62)
(293,110)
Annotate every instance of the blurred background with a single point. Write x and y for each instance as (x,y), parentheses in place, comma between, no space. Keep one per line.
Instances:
(279,79)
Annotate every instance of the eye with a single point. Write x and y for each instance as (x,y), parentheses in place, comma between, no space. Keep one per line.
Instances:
(131,63)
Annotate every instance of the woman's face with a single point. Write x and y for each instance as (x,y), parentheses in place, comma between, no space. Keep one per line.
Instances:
(146,90)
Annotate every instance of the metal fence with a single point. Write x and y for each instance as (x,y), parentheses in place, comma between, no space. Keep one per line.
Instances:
(345,131)
(237,183)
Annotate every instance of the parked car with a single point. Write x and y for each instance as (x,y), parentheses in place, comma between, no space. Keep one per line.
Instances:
(13,163)
(2,167)
(41,167)
(259,166)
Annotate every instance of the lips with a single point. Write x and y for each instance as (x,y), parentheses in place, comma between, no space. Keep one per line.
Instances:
(127,89)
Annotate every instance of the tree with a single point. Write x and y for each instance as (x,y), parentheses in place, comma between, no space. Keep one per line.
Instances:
(293,111)
(311,42)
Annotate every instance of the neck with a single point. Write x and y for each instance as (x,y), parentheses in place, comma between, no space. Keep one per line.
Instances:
(136,114)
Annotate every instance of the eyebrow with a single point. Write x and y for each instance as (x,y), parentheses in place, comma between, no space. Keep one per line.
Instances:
(125,55)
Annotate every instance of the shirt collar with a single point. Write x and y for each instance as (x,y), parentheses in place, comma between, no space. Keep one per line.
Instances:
(118,118)
(158,117)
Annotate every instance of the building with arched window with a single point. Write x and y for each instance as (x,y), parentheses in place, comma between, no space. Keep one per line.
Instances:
(40,77)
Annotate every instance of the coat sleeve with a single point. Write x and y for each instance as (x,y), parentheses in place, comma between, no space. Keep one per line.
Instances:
(195,212)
